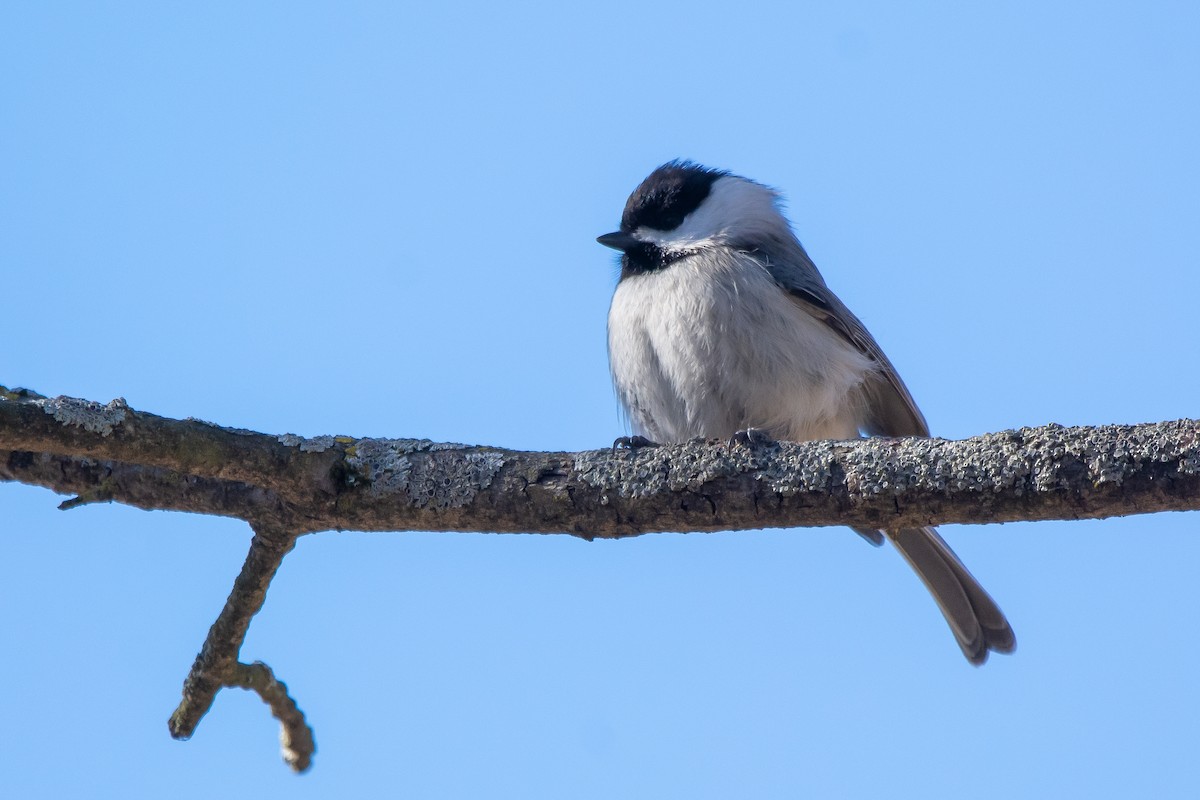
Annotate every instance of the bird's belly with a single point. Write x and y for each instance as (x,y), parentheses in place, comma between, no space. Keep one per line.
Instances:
(710,353)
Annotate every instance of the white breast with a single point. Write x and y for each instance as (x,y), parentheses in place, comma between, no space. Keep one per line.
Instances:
(712,345)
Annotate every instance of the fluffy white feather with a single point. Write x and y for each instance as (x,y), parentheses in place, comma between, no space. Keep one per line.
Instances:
(711,346)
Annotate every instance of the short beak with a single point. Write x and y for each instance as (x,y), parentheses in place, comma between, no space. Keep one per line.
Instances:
(618,240)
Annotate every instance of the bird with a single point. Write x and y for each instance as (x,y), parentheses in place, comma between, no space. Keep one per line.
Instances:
(721,326)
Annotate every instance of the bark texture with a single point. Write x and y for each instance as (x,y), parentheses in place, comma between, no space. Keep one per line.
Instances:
(103,452)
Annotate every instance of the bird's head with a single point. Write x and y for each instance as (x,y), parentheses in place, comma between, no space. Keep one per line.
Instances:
(683,208)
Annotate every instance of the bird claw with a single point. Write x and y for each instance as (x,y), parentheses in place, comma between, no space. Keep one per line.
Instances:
(632,443)
(749,438)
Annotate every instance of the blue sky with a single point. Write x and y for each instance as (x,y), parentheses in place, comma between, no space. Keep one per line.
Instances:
(373,219)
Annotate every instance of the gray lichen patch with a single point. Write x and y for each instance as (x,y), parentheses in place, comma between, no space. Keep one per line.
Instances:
(87,414)
(783,468)
(991,464)
(435,446)
(1021,462)
(1114,452)
(807,467)
(639,473)
(1029,460)
(450,481)
(1059,457)
(383,463)
(316,444)
(987,467)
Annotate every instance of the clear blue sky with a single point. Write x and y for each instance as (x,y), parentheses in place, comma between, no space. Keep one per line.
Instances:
(364,220)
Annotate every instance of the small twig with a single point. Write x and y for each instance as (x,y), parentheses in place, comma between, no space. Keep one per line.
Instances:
(103,493)
(215,665)
(295,736)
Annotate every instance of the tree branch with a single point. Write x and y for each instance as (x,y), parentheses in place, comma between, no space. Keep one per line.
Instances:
(286,485)
(217,666)
(295,736)
(305,485)
(214,665)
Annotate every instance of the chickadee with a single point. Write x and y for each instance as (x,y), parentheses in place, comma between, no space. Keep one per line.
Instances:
(721,324)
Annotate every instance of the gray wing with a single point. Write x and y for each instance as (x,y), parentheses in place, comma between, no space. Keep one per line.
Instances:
(978,624)
(889,409)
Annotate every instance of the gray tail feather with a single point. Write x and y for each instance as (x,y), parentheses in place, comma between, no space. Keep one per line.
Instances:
(871,535)
(977,622)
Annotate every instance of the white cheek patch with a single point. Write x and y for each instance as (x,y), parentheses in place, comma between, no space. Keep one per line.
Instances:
(673,241)
(733,205)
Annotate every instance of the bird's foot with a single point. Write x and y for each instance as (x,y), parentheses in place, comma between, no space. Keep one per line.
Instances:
(632,443)
(750,438)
